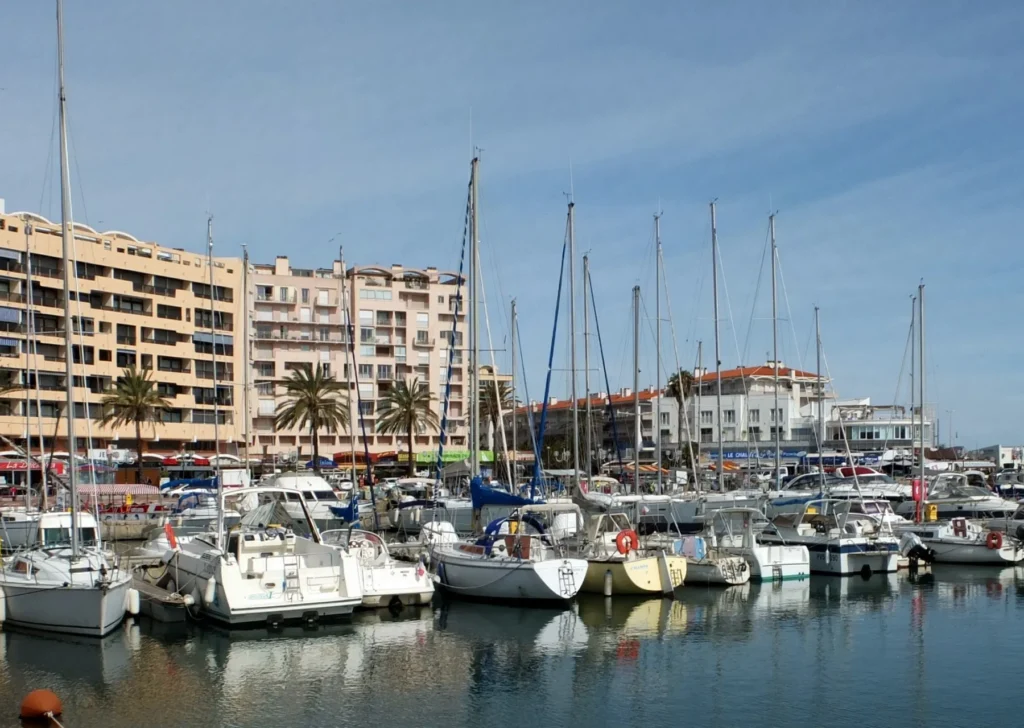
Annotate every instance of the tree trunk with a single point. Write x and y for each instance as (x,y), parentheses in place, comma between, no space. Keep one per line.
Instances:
(412,463)
(316,448)
(138,446)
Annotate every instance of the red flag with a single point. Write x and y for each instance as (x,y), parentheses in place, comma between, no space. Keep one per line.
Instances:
(170,535)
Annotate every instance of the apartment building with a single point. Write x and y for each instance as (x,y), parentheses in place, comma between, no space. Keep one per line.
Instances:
(133,302)
(402,318)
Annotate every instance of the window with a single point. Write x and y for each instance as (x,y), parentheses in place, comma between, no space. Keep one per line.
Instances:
(422,319)
(707,434)
(440,299)
(305,313)
(367,336)
(366,408)
(366,294)
(367,351)
(168,312)
(325,333)
(424,357)
(384,371)
(422,337)
(365,317)
(399,318)
(366,371)
(366,390)
(125,334)
(173,415)
(104,354)
(265,369)
(125,358)
(755,434)
(706,417)
(170,364)
(323,297)
(754,415)
(400,354)
(326,369)
(266,408)
(166,389)
(305,295)
(666,418)
(282,294)
(76,352)
(729,417)
(776,415)
(127,304)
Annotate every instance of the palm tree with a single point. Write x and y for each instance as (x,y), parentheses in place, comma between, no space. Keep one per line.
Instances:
(133,400)
(313,399)
(406,409)
(490,399)
(680,387)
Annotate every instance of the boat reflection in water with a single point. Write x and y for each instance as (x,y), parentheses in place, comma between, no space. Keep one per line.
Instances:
(66,662)
(956,584)
(546,631)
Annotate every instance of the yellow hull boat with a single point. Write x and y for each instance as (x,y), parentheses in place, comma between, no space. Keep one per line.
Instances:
(638,575)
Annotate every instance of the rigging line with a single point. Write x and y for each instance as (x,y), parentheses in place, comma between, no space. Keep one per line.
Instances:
(757,291)
(48,169)
(78,169)
(600,346)
(699,289)
(899,379)
(529,403)
(842,427)
(678,370)
(789,311)
(494,378)
(736,343)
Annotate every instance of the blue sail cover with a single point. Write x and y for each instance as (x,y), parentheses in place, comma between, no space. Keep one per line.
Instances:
(484,495)
(349,513)
(210,483)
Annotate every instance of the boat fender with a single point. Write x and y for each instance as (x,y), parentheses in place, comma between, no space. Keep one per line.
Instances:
(626,541)
(609,582)
(3,606)
(133,602)
(40,704)
(994,540)
(210,592)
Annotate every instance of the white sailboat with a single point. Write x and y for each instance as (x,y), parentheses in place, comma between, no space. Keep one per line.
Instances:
(385,581)
(732,531)
(68,586)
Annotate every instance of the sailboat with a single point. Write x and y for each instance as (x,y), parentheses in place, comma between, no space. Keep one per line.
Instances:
(508,562)
(65,587)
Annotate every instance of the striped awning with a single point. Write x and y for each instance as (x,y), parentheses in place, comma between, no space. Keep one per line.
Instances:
(7,341)
(10,254)
(207,338)
(118,489)
(9,315)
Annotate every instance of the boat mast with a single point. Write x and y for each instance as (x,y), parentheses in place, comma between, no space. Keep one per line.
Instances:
(248,358)
(657,346)
(718,352)
(515,400)
(30,335)
(913,365)
(474,329)
(66,243)
(696,418)
(775,349)
(216,408)
(350,352)
(920,374)
(637,436)
(588,437)
(821,399)
(572,347)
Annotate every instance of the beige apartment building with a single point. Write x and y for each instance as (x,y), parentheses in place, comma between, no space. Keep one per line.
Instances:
(134,302)
(402,318)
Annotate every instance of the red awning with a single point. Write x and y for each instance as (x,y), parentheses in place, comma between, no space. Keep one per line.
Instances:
(115,489)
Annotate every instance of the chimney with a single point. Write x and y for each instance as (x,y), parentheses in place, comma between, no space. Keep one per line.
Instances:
(552,401)
(626,392)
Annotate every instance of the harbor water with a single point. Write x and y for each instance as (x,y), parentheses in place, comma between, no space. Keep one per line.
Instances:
(939,651)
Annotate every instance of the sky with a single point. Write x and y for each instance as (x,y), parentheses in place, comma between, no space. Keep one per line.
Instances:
(885,137)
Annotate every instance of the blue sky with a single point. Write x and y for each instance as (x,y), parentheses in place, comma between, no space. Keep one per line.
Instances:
(886,137)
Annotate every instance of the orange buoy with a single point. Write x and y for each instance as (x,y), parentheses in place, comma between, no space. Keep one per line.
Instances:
(40,704)
(994,540)
(626,541)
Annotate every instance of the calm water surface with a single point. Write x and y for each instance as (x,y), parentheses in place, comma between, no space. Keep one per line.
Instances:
(882,652)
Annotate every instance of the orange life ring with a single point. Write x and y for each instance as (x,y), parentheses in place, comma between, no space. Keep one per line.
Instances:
(626,541)
(994,540)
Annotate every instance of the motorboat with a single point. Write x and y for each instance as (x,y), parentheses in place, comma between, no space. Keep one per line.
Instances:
(961,541)
(617,564)
(953,497)
(57,585)
(270,569)
(1012,524)
(840,542)
(385,582)
(317,494)
(735,531)
(1009,483)
(860,481)
(518,558)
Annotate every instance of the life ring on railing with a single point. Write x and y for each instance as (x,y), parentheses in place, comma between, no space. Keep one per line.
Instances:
(994,540)
(626,541)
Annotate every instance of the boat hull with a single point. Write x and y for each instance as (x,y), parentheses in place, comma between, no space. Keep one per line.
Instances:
(81,610)
(638,576)
(846,559)
(396,584)
(947,552)
(718,570)
(509,579)
(778,562)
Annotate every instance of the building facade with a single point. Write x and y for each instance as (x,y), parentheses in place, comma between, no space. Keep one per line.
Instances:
(402,319)
(133,303)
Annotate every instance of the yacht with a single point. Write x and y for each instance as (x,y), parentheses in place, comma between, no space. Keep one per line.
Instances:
(960,541)
(317,494)
(735,531)
(385,582)
(518,558)
(61,585)
(864,482)
(273,569)
(617,564)
(954,498)
(840,542)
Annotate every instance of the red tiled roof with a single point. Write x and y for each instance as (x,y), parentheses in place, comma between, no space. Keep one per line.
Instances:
(595,401)
(760,371)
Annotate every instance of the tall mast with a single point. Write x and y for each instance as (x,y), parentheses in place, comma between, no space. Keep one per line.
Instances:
(572,348)
(920,374)
(913,365)
(696,418)
(718,352)
(637,435)
(350,351)
(657,347)
(67,240)
(515,398)
(821,398)
(775,349)
(216,406)
(474,328)
(588,437)
(247,356)
(30,335)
